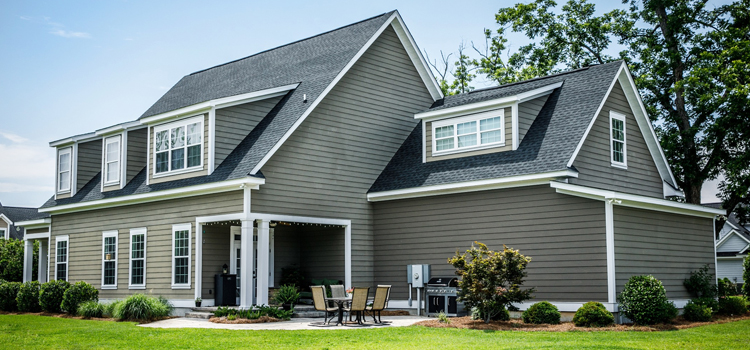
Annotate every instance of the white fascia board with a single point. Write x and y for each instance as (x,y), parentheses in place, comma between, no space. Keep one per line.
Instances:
(115,129)
(636,201)
(6,219)
(75,139)
(33,224)
(190,191)
(470,186)
(219,103)
(416,58)
(487,105)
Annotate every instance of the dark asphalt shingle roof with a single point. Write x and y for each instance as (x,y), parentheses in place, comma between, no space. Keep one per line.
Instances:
(17,214)
(547,146)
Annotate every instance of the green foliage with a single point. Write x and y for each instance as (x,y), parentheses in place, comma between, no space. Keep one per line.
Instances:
(697,312)
(140,307)
(700,283)
(499,313)
(593,314)
(89,309)
(287,294)
(292,275)
(710,303)
(51,295)
(109,309)
(541,313)
(8,293)
(644,301)
(11,260)
(443,318)
(254,313)
(28,297)
(746,276)
(77,294)
(733,306)
(490,280)
(725,287)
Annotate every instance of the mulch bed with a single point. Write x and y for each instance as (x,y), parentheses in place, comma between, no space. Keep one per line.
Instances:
(518,325)
(262,319)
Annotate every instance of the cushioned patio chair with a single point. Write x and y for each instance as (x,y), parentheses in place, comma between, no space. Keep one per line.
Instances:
(319,301)
(382,293)
(358,304)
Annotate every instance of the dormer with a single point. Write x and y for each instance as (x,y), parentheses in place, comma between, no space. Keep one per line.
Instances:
(488,126)
(123,154)
(77,162)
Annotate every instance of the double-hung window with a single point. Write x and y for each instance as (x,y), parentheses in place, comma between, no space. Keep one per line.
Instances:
(617,139)
(178,146)
(61,258)
(63,169)
(4,233)
(109,260)
(181,256)
(137,258)
(476,131)
(112,160)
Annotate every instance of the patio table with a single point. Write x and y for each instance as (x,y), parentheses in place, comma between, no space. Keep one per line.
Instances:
(340,303)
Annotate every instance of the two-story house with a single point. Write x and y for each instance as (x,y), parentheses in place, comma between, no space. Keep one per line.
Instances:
(339,154)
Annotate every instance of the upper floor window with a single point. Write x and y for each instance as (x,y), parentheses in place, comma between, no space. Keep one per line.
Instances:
(617,139)
(112,159)
(471,132)
(178,145)
(63,169)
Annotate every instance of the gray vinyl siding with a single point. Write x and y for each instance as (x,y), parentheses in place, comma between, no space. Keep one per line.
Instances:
(730,268)
(732,244)
(667,246)
(234,123)
(184,175)
(527,112)
(85,245)
(3,224)
(563,235)
(328,164)
(287,251)
(216,249)
(136,153)
(594,160)
(507,114)
(89,162)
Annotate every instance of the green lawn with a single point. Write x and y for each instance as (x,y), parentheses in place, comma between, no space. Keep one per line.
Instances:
(39,332)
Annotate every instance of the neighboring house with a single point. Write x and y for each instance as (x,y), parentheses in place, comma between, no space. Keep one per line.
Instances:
(732,246)
(339,154)
(11,216)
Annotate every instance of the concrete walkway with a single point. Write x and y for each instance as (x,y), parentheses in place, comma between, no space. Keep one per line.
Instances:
(293,324)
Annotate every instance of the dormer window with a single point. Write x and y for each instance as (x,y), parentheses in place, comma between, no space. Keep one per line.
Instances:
(617,139)
(112,160)
(63,169)
(178,147)
(482,130)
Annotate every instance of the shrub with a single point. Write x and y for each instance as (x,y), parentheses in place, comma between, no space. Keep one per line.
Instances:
(710,303)
(593,314)
(697,312)
(139,307)
(732,306)
(443,318)
(28,297)
(287,294)
(8,293)
(542,312)
(644,301)
(726,287)
(499,313)
(51,295)
(109,309)
(166,304)
(77,294)
(746,276)
(11,259)
(700,283)
(490,280)
(90,309)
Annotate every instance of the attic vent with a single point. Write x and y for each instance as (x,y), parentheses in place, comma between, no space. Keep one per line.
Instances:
(304,98)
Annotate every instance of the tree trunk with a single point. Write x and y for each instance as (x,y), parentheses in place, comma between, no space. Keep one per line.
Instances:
(693,192)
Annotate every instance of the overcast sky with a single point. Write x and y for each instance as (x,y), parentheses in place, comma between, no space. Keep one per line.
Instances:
(71,67)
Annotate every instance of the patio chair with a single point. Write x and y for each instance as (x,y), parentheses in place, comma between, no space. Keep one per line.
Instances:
(380,302)
(318,293)
(337,291)
(359,303)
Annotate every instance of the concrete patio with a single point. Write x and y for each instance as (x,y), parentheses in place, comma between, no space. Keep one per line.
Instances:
(293,324)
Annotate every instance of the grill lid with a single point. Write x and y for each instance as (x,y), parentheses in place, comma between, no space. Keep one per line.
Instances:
(443,282)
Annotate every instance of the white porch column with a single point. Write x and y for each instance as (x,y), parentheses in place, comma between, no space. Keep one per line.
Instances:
(348,256)
(198,259)
(43,260)
(246,265)
(28,259)
(263,255)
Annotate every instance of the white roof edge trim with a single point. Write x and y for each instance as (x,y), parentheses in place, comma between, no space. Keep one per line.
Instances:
(470,186)
(74,139)
(488,105)
(636,201)
(32,224)
(403,33)
(219,103)
(724,239)
(120,127)
(181,192)
(670,191)
(6,219)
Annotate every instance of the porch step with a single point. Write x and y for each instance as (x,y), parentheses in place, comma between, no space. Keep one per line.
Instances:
(203,315)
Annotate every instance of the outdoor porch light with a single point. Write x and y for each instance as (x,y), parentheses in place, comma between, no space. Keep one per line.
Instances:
(225,269)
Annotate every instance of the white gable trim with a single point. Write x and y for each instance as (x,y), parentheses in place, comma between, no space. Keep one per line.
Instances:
(641,117)
(7,220)
(726,237)
(410,46)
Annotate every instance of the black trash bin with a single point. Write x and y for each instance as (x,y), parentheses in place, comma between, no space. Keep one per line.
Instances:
(226,290)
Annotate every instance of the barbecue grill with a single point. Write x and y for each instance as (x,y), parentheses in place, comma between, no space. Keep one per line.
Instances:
(441,294)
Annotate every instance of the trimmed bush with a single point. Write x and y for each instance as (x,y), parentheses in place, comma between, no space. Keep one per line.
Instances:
(542,313)
(726,287)
(711,303)
(139,307)
(109,309)
(697,312)
(90,309)
(746,276)
(644,301)
(700,284)
(732,306)
(8,293)
(28,297)
(78,293)
(51,295)
(593,314)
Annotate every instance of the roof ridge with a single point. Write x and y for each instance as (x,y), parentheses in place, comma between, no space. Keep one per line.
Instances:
(10,206)
(293,42)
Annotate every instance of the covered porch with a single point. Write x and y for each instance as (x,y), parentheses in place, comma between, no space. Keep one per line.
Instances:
(37,230)
(257,247)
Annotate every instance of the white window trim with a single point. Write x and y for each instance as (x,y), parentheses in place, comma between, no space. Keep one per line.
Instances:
(167,126)
(4,233)
(188,228)
(60,152)
(67,255)
(623,118)
(469,118)
(107,234)
(135,232)
(107,141)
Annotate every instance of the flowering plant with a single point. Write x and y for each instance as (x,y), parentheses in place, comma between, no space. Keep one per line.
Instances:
(350,291)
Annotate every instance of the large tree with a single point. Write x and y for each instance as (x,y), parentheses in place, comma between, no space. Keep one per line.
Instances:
(691,63)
